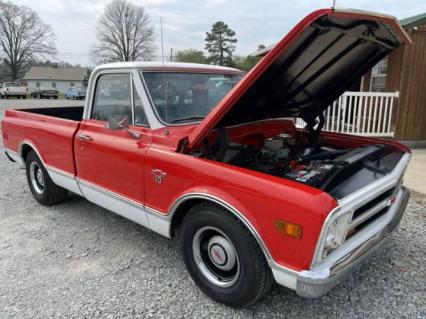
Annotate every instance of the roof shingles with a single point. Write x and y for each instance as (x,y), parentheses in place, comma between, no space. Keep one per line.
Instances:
(413,21)
(58,74)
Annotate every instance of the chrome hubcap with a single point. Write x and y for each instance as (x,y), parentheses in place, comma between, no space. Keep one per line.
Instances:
(40,178)
(216,257)
(37,178)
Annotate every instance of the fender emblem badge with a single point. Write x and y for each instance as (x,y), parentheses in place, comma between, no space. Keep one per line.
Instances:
(159,175)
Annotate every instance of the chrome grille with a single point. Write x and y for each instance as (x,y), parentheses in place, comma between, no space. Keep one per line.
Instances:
(363,209)
(369,212)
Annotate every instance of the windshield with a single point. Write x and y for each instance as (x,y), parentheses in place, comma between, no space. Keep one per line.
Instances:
(187,97)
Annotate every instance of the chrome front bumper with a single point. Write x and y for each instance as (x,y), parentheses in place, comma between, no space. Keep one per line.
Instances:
(321,278)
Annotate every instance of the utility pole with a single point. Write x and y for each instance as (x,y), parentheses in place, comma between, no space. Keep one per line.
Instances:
(334,3)
(171,54)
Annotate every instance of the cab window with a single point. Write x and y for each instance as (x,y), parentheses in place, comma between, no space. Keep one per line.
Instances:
(140,117)
(113,98)
(187,97)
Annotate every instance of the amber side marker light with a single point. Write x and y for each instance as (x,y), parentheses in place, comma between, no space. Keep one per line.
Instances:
(290,229)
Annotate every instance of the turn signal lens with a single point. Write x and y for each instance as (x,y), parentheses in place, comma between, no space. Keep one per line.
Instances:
(286,228)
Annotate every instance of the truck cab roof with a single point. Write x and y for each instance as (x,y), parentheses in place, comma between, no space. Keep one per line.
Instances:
(169,66)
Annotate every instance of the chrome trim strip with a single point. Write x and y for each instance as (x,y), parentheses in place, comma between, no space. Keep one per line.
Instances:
(64,179)
(229,207)
(30,144)
(59,171)
(111,201)
(110,193)
(355,200)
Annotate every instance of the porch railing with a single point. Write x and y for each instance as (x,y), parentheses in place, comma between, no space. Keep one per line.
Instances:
(360,113)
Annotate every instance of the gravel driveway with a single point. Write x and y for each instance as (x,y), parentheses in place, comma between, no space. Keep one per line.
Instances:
(77,260)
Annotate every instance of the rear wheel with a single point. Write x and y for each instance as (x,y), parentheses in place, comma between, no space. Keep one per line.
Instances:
(222,256)
(44,190)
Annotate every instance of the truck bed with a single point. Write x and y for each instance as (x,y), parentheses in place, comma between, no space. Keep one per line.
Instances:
(74,113)
(50,131)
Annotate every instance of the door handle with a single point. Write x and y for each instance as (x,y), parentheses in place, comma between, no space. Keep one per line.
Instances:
(84,137)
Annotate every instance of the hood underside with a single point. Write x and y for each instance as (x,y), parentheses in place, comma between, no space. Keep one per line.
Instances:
(306,71)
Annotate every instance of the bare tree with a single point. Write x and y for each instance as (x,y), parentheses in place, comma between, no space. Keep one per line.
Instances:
(23,37)
(124,33)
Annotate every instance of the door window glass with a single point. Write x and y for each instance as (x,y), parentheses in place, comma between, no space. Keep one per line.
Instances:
(113,98)
(140,117)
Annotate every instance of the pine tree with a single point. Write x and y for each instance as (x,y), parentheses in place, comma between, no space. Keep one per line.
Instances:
(220,43)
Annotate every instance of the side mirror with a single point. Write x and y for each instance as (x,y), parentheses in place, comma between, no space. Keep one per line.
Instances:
(121,124)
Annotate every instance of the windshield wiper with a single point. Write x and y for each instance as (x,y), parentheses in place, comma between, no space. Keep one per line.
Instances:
(188,118)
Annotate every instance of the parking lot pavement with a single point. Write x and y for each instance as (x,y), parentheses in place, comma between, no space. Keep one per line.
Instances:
(76,260)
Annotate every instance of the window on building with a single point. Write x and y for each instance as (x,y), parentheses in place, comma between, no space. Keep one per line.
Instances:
(72,84)
(54,85)
(378,76)
(37,84)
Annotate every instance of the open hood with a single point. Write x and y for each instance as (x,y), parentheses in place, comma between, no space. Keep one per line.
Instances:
(308,69)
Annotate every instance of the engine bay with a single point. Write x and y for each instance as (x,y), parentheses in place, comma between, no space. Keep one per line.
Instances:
(334,169)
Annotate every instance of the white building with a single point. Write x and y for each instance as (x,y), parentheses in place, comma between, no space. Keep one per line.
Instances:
(60,79)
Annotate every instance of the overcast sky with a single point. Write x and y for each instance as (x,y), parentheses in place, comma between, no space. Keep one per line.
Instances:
(186,21)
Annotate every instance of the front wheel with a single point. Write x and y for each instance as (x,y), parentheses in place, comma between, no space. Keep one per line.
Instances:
(44,190)
(222,256)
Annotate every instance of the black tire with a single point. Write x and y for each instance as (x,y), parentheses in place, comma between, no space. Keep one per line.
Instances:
(253,277)
(46,193)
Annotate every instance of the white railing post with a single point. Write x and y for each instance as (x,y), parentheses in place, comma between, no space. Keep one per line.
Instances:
(360,113)
(358,125)
(391,111)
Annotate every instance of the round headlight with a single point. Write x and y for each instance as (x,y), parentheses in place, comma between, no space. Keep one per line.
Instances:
(331,235)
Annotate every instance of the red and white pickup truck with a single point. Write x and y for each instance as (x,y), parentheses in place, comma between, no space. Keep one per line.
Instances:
(209,155)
